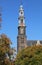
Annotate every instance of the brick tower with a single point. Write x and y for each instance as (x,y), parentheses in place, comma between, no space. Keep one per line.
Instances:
(21,38)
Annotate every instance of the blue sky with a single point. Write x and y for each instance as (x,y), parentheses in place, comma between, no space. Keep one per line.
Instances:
(33,19)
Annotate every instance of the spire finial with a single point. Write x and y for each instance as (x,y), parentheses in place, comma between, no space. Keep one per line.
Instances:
(21,2)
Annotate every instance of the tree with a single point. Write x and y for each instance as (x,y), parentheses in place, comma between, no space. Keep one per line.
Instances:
(30,56)
(5,50)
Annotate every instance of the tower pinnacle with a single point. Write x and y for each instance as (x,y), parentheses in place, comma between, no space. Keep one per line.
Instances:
(21,15)
(20,2)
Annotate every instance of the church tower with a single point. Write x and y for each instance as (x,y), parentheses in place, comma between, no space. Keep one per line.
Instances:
(21,38)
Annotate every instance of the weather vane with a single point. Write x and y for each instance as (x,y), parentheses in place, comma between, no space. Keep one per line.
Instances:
(0,17)
(21,2)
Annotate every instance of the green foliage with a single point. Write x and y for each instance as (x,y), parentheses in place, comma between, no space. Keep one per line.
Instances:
(5,50)
(30,56)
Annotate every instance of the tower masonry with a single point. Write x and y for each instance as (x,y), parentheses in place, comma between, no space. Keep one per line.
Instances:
(21,38)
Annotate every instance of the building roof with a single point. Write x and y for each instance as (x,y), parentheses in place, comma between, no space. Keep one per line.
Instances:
(33,42)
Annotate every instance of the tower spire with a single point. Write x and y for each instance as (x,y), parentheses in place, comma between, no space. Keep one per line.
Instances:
(21,16)
(20,2)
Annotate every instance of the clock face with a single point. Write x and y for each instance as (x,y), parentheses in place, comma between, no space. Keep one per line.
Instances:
(22,31)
